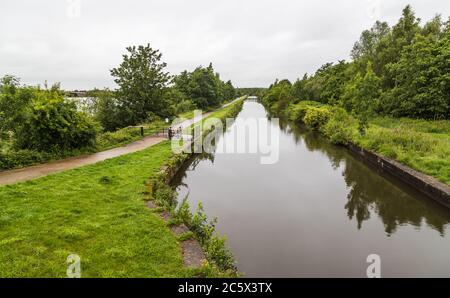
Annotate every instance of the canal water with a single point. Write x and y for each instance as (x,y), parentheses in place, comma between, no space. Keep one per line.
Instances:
(317,212)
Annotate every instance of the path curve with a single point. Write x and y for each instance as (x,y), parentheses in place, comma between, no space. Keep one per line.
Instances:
(24,174)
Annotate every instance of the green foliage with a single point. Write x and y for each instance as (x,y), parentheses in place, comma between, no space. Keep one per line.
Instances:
(111,139)
(142,81)
(296,112)
(14,104)
(95,211)
(278,96)
(316,117)
(402,71)
(204,230)
(109,112)
(420,144)
(250,92)
(54,125)
(361,94)
(178,101)
(422,77)
(20,158)
(204,87)
(340,128)
(425,152)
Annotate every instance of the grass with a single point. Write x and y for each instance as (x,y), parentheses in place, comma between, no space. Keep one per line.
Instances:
(121,137)
(187,115)
(423,145)
(95,211)
(420,144)
(223,113)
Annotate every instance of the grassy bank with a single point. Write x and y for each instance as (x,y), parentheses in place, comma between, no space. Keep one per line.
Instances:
(220,259)
(98,213)
(230,111)
(11,158)
(423,145)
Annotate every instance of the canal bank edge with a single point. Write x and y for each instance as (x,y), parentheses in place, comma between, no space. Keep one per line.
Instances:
(194,254)
(427,185)
(430,186)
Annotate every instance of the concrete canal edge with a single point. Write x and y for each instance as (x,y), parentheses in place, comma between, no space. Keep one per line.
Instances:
(191,250)
(430,186)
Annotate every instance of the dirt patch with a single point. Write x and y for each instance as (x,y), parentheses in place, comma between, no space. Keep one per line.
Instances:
(193,255)
(165,216)
(151,204)
(180,229)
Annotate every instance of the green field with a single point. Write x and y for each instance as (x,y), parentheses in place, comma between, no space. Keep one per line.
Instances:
(96,212)
(424,145)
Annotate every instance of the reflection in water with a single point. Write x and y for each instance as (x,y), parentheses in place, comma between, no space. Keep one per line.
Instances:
(319,211)
(392,204)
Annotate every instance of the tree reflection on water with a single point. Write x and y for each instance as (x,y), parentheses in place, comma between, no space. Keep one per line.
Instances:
(373,192)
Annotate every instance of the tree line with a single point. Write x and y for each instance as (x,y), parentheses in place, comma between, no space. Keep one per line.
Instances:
(401,71)
(43,119)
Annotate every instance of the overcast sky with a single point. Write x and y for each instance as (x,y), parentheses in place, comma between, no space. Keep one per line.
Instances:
(77,42)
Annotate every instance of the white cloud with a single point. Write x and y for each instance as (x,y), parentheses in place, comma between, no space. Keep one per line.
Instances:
(249,42)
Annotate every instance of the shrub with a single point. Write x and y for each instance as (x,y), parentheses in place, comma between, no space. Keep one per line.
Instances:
(316,117)
(297,112)
(340,127)
(21,158)
(55,125)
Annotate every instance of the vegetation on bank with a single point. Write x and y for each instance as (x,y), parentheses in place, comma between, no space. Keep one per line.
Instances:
(220,260)
(41,124)
(98,213)
(423,145)
(392,98)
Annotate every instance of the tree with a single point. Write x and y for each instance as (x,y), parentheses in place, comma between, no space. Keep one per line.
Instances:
(422,80)
(229,91)
(110,112)
(368,93)
(54,125)
(278,96)
(142,80)
(298,88)
(14,104)
(362,94)
(389,47)
(365,49)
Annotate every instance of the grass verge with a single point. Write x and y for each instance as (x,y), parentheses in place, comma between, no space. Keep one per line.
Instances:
(423,145)
(98,213)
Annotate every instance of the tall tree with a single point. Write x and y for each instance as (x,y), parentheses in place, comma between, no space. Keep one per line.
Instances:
(142,80)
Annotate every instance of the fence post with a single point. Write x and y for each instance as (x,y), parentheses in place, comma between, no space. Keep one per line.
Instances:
(142,131)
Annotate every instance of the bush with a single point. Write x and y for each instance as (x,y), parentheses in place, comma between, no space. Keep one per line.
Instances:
(109,113)
(297,112)
(340,127)
(55,125)
(316,117)
(21,158)
(185,106)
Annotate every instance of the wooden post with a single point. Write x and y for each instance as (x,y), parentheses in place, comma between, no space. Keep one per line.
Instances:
(142,131)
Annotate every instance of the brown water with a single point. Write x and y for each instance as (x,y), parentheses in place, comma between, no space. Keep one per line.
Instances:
(317,212)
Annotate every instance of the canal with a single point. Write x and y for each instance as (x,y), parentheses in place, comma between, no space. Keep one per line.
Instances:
(317,212)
